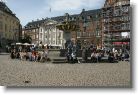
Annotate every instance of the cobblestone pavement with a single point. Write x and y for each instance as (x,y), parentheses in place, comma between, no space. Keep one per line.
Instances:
(24,73)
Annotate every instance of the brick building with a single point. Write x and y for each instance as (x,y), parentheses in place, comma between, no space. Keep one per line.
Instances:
(116,24)
(90,24)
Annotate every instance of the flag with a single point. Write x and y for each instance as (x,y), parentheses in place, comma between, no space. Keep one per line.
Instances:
(50,10)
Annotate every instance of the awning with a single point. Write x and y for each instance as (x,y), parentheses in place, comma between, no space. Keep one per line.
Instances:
(120,43)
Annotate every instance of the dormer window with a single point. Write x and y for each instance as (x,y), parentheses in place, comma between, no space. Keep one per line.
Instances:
(73,18)
(83,18)
(89,17)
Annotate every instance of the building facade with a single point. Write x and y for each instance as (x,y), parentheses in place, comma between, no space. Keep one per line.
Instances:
(116,24)
(10,27)
(50,35)
(89,28)
(90,24)
(108,27)
(45,31)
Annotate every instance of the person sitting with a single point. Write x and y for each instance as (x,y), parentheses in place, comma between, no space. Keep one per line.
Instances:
(123,56)
(111,57)
(119,56)
(30,56)
(33,56)
(18,55)
(126,57)
(99,57)
(44,56)
(27,56)
(13,54)
(38,57)
(74,58)
(93,57)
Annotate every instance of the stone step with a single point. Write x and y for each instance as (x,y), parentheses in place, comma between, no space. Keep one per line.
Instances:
(80,60)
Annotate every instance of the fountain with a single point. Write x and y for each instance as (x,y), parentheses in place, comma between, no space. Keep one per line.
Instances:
(68,26)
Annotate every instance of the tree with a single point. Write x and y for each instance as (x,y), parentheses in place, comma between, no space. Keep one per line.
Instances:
(27,39)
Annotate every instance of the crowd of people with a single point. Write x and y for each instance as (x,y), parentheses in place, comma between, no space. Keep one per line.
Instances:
(30,53)
(111,56)
(97,55)
(89,54)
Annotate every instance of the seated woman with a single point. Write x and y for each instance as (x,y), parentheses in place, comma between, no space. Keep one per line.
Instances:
(13,54)
(33,56)
(44,56)
(27,56)
(38,57)
(18,55)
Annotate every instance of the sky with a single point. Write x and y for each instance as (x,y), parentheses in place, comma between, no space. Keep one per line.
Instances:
(28,10)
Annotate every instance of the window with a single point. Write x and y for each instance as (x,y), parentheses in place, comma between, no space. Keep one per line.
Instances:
(78,34)
(73,19)
(59,36)
(53,41)
(89,17)
(40,35)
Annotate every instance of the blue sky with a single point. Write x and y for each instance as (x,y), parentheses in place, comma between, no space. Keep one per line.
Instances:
(28,10)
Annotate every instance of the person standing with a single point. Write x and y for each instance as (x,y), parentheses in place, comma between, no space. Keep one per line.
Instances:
(69,52)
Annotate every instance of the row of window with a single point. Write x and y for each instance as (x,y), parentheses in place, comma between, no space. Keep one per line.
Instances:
(48,35)
(122,3)
(123,26)
(88,34)
(55,42)
(122,18)
(116,11)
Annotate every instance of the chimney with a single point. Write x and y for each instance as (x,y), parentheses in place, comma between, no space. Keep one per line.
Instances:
(83,10)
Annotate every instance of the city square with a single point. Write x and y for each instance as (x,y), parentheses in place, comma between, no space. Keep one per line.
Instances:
(62,48)
(17,73)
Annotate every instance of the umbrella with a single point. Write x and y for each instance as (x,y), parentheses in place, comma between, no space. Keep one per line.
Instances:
(13,44)
(18,43)
(45,45)
(26,44)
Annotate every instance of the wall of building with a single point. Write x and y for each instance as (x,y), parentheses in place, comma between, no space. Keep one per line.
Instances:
(10,27)
(116,20)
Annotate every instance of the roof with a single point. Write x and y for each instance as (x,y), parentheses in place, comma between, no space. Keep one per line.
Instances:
(3,7)
(35,23)
(58,19)
(92,13)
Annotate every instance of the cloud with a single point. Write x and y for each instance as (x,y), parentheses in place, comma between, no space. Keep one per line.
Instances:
(68,6)
(28,10)
(3,1)
(62,5)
